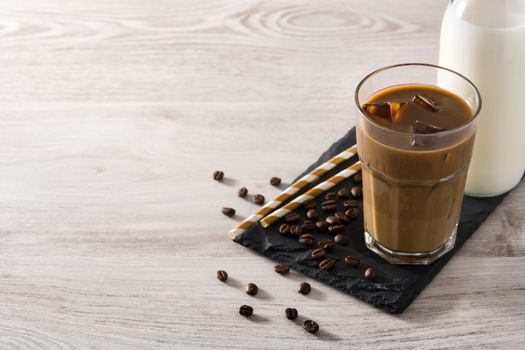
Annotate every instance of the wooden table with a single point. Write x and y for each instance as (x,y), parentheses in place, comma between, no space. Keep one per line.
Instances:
(114,114)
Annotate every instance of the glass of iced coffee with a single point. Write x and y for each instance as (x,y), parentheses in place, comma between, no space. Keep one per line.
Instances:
(415,142)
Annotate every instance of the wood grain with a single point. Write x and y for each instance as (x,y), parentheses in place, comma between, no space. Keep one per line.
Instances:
(114,114)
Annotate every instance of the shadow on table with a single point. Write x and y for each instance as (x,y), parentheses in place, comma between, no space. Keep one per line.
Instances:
(321,334)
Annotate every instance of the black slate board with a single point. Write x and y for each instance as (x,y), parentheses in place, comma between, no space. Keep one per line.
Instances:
(397,285)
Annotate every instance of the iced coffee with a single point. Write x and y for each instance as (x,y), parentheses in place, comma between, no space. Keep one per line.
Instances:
(415,143)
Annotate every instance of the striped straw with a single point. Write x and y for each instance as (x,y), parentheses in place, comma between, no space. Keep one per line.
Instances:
(310,194)
(293,189)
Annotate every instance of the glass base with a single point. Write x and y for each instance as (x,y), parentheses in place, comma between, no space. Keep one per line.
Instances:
(401,258)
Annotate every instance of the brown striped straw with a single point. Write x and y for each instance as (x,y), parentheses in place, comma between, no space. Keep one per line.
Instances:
(311,194)
(293,189)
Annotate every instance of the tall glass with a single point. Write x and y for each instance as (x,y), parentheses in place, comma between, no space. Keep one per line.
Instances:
(413,183)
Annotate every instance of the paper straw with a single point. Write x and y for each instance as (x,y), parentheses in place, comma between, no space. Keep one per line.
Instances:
(310,194)
(293,189)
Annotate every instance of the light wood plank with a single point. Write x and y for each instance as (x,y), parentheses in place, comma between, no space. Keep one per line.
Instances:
(114,114)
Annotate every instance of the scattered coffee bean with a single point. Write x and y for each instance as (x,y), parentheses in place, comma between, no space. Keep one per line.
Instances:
(296,230)
(327,264)
(251,289)
(318,253)
(310,204)
(370,274)
(332,220)
(329,205)
(322,225)
(293,216)
(218,175)
(246,310)
(351,203)
(291,313)
(352,260)
(243,192)
(308,225)
(336,228)
(352,213)
(222,275)
(343,192)
(284,229)
(330,196)
(312,214)
(282,269)
(310,326)
(306,239)
(326,244)
(304,288)
(258,199)
(358,178)
(275,181)
(341,239)
(343,219)
(228,211)
(356,192)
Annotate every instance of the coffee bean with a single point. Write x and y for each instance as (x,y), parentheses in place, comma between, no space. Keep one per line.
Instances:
(358,178)
(336,228)
(356,192)
(306,239)
(275,181)
(258,199)
(296,230)
(218,175)
(352,260)
(310,326)
(281,269)
(330,196)
(284,229)
(329,205)
(312,214)
(352,213)
(341,239)
(370,274)
(343,219)
(308,225)
(322,225)
(222,275)
(304,288)
(246,310)
(311,204)
(293,216)
(351,203)
(243,192)
(251,289)
(318,253)
(291,313)
(343,192)
(326,244)
(228,211)
(327,264)
(332,220)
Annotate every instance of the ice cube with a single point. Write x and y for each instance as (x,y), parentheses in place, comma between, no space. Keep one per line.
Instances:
(385,110)
(426,102)
(425,128)
(420,141)
(394,109)
(381,110)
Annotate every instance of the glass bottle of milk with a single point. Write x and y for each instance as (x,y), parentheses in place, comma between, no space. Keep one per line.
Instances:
(485,41)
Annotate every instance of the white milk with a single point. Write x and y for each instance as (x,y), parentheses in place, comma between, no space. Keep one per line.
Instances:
(485,41)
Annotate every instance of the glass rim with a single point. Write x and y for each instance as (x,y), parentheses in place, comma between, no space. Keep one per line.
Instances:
(404,133)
